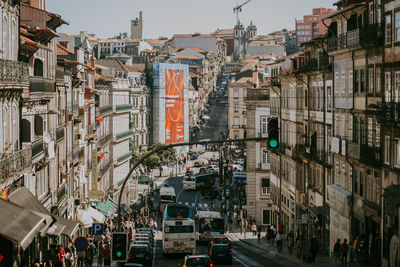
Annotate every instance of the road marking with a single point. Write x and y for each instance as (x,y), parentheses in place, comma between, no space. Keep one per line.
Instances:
(241,262)
(177,197)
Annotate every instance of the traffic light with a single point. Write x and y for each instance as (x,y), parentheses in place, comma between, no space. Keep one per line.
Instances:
(119,247)
(146,212)
(273,133)
(244,214)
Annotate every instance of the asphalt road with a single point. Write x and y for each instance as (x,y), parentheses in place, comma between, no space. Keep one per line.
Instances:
(243,255)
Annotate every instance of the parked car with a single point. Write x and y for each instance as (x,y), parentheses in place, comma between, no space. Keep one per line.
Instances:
(198,261)
(140,254)
(198,163)
(194,156)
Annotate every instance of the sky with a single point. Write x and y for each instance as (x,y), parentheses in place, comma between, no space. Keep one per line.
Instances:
(106,18)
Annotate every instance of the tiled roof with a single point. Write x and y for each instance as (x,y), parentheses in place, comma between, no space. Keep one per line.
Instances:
(62,51)
(192,35)
(153,42)
(191,57)
(223,32)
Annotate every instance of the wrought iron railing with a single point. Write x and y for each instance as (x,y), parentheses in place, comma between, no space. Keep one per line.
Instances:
(105,168)
(104,139)
(60,134)
(62,191)
(389,111)
(41,85)
(105,110)
(37,147)
(123,135)
(370,155)
(15,163)
(353,150)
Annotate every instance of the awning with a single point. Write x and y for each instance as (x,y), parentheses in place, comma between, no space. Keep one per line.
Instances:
(24,198)
(20,225)
(55,229)
(96,215)
(84,218)
(70,228)
(107,208)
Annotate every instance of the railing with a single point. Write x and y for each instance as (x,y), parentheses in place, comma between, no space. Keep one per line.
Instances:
(37,147)
(370,35)
(59,74)
(14,72)
(263,167)
(122,108)
(59,134)
(123,158)
(75,108)
(314,64)
(235,126)
(41,85)
(15,163)
(123,135)
(389,111)
(105,168)
(104,140)
(105,110)
(62,191)
(75,153)
(370,155)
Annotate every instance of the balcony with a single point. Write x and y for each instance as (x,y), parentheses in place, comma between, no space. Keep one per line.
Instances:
(343,41)
(105,168)
(389,112)
(59,134)
(124,135)
(37,148)
(372,35)
(59,75)
(263,167)
(40,86)
(15,163)
(370,156)
(319,63)
(123,108)
(124,158)
(75,153)
(104,139)
(235,126)
(61,192)
(106,110)
(14,73)
(75,108)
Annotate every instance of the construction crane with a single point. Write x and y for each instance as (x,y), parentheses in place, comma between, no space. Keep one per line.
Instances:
(238,9)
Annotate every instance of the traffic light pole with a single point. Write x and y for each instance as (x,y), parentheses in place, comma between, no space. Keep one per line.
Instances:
(162,148)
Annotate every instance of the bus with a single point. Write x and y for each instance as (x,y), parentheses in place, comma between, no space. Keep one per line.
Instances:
(167,195)
(210,224)
(199,181)
(177,211)
(178,236)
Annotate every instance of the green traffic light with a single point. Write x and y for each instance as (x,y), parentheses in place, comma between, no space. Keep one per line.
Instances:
(119,253)
(273,143)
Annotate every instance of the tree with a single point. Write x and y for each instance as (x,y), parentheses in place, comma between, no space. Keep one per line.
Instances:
(158,159)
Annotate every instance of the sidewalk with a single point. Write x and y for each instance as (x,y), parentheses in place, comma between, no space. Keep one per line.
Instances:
(320,260)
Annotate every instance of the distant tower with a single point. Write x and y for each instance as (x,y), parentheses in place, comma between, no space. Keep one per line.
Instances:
(137,27)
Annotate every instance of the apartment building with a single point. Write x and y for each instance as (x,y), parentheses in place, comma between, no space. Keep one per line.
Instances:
(237,120)
(258,190)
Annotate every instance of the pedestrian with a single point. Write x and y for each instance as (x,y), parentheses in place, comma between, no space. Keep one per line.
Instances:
(60,252)
(81,257)
(259,236)
(100,254)
(344,250)
(69,258)
(290,241)
(354,250)
(254,228)
(278,240)
(313,248)
(300,247)
(89,253)
(107,256)
(336,251)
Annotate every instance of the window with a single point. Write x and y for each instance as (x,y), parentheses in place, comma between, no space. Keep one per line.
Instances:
(343,82)
(397,152)
(236,135)
(370,131)
(371,13)
(377,134)
(356,81)
(266,218)
(387,150)
(388,86)
(378,80)
(371,80)
(265,186)
(337,85)
(388,29)
(397,86)
(264,156)
(264,126)
(236,94)
(362,131)
(397,26)
(300,39)
(236,108)
(361,184)
(362,81)
(355,181)
(236,121)
(310,19)
(350,87)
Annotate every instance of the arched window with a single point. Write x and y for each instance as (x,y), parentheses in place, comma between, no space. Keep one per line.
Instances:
(38,125)
(25,131)
(38,67)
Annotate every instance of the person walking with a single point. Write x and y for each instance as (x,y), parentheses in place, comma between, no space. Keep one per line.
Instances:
(300,247)
(259,236)
(278,240)
(107,256)
(344,250)
(336,251)
(290,240)
(313,248)
(100,254)
(254,228)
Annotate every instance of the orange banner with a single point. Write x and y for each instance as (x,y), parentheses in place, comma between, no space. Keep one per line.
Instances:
(174,106)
